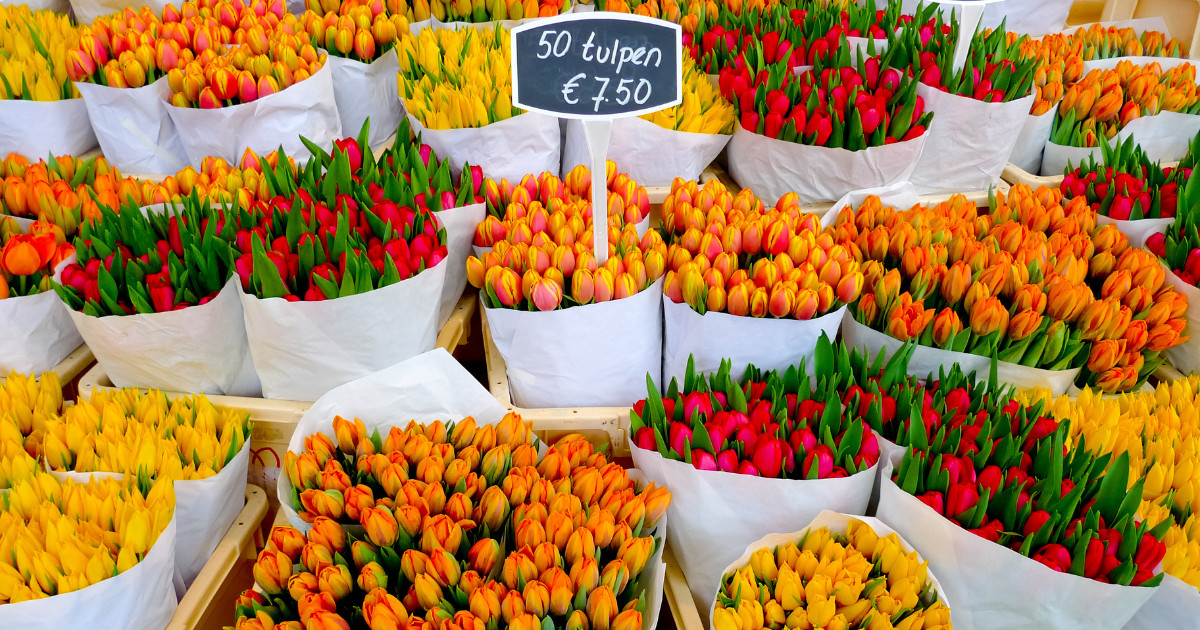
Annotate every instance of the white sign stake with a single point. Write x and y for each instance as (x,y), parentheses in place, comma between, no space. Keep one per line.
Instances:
(597,132)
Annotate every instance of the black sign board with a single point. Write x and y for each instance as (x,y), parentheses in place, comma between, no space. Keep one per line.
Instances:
(597,65)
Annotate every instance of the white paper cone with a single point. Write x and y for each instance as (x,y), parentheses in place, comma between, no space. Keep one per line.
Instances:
(651,155)
(132,126)
(38,333)
(141,597)
(367,90)
(460,231)
(1186,356)
(303,349)
(772,168)
(200,349)
(1031,141)
(305,109)
(1138,230)
(715,514)
(509,149)
(968,141)
(766,343)
(836,523)
(596,355)
(995,588)
(926,361)
(1175,604)
(36,129)
(204,510)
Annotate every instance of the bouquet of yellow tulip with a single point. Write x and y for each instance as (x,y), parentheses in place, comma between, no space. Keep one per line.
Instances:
(703,109)
(455,79)
(838,574)
(26,405)
(35,42)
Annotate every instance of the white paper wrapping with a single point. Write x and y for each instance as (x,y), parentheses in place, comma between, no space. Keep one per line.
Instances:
(716,515)
(1186,356)
(968,141)
(204,510)
(596,355)
(305,109)
(367,91)
(460,232)
(926,360)
(651,155)
(1031,141)
(1138,230)
(1175,604)
(773,168)
(141,597)
(38,333)
(303,349)
(1164,137)
(37,129)
(200,349)
(132,126)
(836,523)
(995,588)
(765,342)
(509,149)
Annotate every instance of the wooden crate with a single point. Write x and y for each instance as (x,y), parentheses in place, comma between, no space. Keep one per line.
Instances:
(1014,175)
(274,421)
(209,603)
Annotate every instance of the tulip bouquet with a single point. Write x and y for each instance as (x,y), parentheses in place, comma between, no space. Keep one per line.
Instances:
(839,575)
(1057,66)
(356,32)
(995,70)
(475,11)
(1178,248)
(257,69)
(35,70)
(771,263)
(65,536)
(38,332)
(628,202)
(1106,42)
(860,107)
(28,259)
(580,536)
(221,183)
(66,191)
(454,80)
(1056,285)
(27,404)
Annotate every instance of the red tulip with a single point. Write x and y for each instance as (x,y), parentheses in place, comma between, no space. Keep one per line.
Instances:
(822,456)
(727,461)
(703,460)
(935,500)
(768,457)
(1054,556)
(960,498)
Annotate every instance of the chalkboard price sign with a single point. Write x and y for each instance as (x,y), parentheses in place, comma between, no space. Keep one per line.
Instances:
(597,65)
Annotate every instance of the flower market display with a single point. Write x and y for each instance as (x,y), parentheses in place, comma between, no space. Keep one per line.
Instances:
(461,523)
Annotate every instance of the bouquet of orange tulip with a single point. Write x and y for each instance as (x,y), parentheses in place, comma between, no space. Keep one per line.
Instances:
(839,572)
(1106,42)
(435,503)
(1036,283)
(66,191)
(28,259)
(38,333)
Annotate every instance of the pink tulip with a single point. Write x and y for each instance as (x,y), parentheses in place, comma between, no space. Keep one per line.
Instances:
(823,457)
(703,460)
(768,457)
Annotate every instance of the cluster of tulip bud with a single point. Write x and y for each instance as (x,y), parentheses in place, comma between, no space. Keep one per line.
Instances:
(29,256)
(1105,101)
(456,79)
(1036,281)
(1105,42)
(1156,430)
(35,43)
(1125,185)
(221,183)
(1179,244)
(1057,66)
(994,72)
(450,10)
(729,254)
(66,191)
(133,432)
(773,425)
(63,536)
(27,403)
(356,32)
(703,109)
(827,580)
(579,532)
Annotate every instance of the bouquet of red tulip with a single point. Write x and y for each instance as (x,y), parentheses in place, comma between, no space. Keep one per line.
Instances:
(1125,185)
(995,70)
(437,504)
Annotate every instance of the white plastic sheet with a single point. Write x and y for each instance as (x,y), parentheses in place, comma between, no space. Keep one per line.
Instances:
(509,149)
(135,132)
(1138,230)
(968,141)
(1176,604)
(305,109)
(765,342)
(38,333)
(926,360)
(836,523)
(596,355)
(460,232)
(772,168)
(995,588)
(36,129)
(367,91)
(651,155)
(1031,141)
(1186,356)
(200,349)
(303,349)
(141,597)
(715,515)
